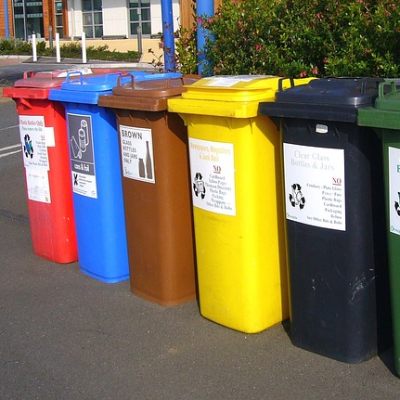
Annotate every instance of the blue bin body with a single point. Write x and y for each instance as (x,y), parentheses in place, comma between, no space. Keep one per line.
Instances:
(100,219)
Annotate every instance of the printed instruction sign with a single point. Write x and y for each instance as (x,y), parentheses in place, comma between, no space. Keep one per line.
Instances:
(37,182)
(394,190)
(212,170)
(80,138)
(34,138)
(315,186)
(137,153)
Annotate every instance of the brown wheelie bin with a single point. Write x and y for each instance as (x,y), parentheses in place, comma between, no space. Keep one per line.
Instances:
(156,185)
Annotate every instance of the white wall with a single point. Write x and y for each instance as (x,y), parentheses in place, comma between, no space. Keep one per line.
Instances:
(156,19)
(116,17)
(74,17)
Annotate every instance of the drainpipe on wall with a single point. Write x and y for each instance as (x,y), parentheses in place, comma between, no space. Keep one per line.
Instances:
(168,34)
(6,18)
(204,9)
(72,19)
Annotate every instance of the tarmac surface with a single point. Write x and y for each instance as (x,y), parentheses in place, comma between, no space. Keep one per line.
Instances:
(64,335)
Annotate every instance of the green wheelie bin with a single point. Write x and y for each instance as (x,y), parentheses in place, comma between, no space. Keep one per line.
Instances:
(384,117)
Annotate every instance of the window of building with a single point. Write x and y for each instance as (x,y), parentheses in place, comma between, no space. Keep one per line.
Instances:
(92,18)
(28,18)
(139,15)
(59,13)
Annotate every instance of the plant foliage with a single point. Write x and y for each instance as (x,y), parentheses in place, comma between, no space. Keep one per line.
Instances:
(304,38)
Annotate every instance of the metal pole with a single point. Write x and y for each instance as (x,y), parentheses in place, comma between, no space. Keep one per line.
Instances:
(139,28)
(34,54)
(204,9)
(139,40)
(25,28)
(6,19)
(168,33)
(84,60)
(51,37)
(58,56)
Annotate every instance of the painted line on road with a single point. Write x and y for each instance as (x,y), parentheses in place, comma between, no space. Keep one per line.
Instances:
(10,153)
(9,127)
(14,146)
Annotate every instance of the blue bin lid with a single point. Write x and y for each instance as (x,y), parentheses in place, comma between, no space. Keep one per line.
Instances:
(87,89)
(158,75)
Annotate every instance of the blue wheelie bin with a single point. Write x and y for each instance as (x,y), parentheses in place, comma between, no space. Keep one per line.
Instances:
(96,174)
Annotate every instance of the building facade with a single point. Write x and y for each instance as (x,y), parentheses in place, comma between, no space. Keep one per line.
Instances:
(99,19)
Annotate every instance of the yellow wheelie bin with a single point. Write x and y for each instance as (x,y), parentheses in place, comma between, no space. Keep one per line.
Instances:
(235,170)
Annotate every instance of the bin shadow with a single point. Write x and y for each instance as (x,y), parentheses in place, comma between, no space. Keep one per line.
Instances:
(387,357)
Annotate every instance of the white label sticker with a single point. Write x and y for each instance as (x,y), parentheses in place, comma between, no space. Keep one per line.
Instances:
(84,184)
(320,128)
(212,171)
(80,136)
(37,182)
(315,186)
(394,190)
(34,141)
(50,140)
(228,81)
(137,153)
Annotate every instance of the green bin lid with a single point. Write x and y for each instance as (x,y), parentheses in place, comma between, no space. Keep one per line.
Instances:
(385,114)
(388,99)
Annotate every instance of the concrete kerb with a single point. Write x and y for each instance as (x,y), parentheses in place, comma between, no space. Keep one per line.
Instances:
(15,57)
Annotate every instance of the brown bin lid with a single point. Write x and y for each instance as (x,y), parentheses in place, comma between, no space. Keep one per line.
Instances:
(146,95)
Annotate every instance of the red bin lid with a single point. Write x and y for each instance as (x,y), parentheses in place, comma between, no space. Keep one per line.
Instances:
(36,84)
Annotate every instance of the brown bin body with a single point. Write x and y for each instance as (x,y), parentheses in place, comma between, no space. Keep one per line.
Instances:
(158,215)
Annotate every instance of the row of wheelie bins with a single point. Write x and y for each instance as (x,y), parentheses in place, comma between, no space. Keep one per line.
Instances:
(263,195)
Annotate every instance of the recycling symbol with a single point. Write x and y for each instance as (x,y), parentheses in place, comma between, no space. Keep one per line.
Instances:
(198,186)
(28,148)
(397,206)
(296,198)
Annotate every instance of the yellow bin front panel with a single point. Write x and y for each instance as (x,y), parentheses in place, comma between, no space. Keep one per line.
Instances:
(241,258)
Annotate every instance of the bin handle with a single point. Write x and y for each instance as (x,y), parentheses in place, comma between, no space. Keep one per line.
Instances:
(280,83)
(122,75)
(29,74)
(74,73)
(382,85)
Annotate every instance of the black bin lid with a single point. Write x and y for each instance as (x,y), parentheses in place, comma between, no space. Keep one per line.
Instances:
(332,99)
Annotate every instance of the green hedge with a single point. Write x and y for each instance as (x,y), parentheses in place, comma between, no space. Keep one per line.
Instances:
(68,50)
(305,38)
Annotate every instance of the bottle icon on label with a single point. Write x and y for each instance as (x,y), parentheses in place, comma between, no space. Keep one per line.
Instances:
(79,147)
(149,168)
(142,172)
(83,136)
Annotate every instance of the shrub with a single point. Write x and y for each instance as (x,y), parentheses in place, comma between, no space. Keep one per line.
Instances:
(304,38)
(186,50)
(67,50)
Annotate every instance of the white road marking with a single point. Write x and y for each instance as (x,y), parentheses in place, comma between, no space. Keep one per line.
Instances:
(9,127)
(10,153)
(14,146)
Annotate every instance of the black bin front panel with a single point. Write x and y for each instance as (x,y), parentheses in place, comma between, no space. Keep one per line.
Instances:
(338,279)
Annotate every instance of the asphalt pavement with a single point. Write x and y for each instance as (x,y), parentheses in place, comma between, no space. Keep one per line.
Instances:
(64,335)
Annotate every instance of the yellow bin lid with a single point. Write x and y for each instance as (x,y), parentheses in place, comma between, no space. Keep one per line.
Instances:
(230,96)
